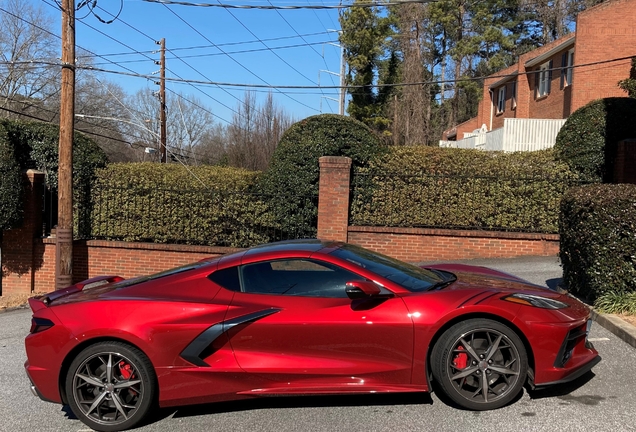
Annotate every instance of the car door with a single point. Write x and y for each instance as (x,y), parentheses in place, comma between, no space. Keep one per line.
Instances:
(295,325)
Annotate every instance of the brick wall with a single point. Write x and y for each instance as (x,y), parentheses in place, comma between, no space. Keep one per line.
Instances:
(421,244)
(555,105)
(604,32)
(20,260)
(97,257)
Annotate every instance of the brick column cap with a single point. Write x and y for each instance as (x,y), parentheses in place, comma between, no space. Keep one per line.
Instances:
(33,174)
(334,162)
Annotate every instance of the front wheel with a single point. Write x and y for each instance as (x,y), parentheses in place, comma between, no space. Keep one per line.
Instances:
(111,386)
(480,364)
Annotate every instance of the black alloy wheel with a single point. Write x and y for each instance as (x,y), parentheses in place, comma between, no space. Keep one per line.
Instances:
(480,364)
(111,386)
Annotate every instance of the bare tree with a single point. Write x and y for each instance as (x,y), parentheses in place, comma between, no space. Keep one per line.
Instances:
(412,108)
(28,75)
(100,111)
(189,123)
(212,149)
(255,132)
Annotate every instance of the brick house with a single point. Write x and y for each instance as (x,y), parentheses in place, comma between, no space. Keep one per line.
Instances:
(555,80)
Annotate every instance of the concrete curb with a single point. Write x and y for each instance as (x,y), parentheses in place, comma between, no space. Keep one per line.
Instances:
(614,324)
(14,308)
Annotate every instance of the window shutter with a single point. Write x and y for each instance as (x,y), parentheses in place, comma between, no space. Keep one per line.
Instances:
(548,87)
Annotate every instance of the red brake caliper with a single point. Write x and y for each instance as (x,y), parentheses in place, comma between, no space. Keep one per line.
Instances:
(126,372)
(461,359)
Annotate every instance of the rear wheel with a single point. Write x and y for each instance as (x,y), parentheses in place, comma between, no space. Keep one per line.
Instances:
(111,386)
(480,364)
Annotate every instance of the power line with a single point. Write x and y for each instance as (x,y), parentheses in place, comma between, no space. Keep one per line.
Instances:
(82,131)
(304,40)
(192,85)
(236,61)
(217,45)
(221,53)
(446,81)
(272,7)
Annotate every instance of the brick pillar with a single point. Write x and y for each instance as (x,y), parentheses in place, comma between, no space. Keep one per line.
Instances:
(333,198)
(19,260)
(625,162)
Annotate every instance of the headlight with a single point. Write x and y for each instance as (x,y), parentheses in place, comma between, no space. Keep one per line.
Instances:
(536,301)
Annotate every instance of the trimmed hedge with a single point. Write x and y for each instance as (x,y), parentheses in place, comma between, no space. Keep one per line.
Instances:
(294,172)
(598,239)
(172,203)
(10,185)
(460,188)
(35,145)
(588,140)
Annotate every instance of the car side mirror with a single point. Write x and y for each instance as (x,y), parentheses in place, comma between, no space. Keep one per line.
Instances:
(362,289)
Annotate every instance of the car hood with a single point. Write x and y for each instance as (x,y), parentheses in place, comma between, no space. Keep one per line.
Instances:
(474,277)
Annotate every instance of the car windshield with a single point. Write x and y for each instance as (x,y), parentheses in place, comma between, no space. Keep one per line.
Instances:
(408,276)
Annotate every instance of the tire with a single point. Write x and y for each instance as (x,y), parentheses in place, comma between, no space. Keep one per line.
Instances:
(477,348)
(122,402)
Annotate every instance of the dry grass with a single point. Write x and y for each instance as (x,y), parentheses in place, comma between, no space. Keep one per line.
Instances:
(629,318)
(15,300)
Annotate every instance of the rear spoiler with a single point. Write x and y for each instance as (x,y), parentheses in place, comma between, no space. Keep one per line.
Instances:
(40,302)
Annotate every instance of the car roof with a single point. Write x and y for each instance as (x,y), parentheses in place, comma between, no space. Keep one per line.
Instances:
(305,245)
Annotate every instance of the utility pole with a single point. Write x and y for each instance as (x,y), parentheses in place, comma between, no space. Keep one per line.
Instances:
(342,81)
(64,231)
(162,100)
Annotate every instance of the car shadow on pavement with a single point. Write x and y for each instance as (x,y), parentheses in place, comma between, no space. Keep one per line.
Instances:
(561,390)
(296,402)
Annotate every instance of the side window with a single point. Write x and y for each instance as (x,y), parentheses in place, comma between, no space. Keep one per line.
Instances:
(227,278)
(296,277)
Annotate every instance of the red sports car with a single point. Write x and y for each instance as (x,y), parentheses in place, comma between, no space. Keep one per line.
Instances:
(298,318)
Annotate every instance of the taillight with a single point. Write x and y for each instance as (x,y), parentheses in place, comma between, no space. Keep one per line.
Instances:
(40,324)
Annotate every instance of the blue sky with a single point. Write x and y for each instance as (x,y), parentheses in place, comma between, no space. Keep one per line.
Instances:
(141,23)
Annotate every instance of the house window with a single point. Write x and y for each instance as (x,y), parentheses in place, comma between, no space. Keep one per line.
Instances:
(513,95)
(544,79)
(567,62)
(501,100)
(570,66)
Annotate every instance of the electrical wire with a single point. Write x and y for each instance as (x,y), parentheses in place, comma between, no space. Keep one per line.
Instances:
(236,61)
(220,53)
(215,45)
(296,7)
(314,49)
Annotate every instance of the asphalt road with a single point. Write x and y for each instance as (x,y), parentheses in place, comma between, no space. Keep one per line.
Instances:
(604,400)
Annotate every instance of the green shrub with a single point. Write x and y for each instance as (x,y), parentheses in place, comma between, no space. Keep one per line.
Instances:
(35,145)
(172,203)
(616,303)
(588,140)
(10,185)
(598,239)
(429,186)
(294,172)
